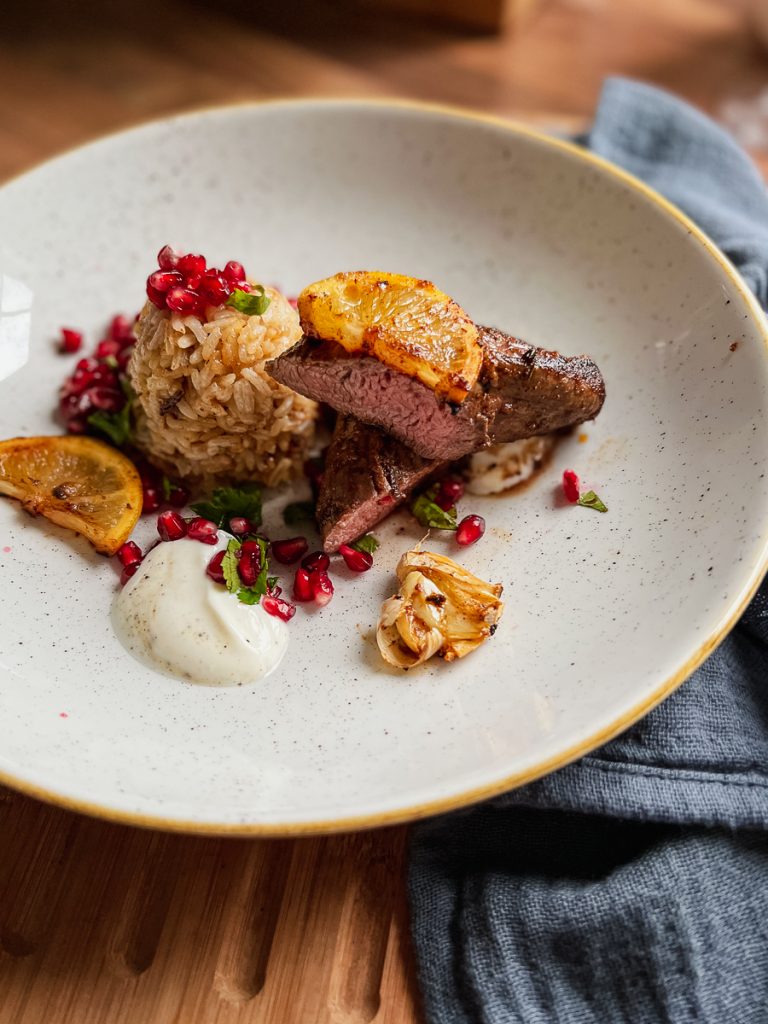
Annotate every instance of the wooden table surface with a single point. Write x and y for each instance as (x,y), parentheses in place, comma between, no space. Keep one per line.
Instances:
(104,923)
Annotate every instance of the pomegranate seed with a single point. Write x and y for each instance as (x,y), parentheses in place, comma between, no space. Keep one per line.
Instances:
(275,591)
(317,560)
(276,606)
(107,347)
(104,374)
(302,588)
(215,288)
(234,272)
(76,426)
(203,529)
(150,500)
(155,297)
(571,486)
(106,399)
(248,568)
(470,530)
(171,526)
(191,265)
(293,301)
(70,340)
(251,547)
(239,526)
(85,365)
(167,258)
(357,561)
(448,493)
(214,569)
(181,300)
(127,572)
(121,328)
(68,406)
(129,553)
(322,588)
(243,286)
(164,280)
(178,497)
(290,550)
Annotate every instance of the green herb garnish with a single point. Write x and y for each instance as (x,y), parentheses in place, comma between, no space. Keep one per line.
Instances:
(226,503)
(367,543)
(111,362)
(591,500)
(299,512)
(251,303)
(167,487)
(229,566)
(429,514)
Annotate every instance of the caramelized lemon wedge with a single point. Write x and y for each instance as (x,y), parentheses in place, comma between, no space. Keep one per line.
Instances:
(76,482)
(405,323)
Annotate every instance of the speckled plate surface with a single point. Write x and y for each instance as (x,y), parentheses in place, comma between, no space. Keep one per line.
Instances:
(605,614)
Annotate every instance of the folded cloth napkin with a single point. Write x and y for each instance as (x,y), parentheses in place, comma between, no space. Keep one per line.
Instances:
(632,886)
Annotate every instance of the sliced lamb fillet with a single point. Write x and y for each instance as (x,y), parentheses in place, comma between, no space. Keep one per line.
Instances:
(367,474)
(522,391)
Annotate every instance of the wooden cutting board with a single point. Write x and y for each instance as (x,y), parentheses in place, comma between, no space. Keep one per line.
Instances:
(106,924)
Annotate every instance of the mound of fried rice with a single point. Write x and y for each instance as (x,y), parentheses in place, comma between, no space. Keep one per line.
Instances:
(206,412)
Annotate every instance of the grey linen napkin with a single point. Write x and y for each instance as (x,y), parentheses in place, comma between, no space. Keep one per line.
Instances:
(632,886)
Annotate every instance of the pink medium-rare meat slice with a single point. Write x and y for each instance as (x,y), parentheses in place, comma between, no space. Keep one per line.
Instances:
(367,475)
(521,391)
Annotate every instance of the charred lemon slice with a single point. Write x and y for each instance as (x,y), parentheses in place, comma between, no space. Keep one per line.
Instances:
(405,323)
(76,482)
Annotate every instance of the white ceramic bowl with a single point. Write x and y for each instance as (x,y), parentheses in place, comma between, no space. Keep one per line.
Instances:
(605,614)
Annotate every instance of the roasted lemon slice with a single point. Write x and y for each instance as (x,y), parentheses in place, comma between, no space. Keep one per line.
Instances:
(405,323)
(76,482)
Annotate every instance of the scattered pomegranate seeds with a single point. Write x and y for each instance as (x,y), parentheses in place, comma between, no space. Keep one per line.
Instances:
(289,551)
(203,530)
(317,560)
(129,553)
(239,526)
(70,340)
(96,384)
(357,561)
(277,606)
(448,493)
(302,588)
(571,485)
(171,526)
(322,588)
(470,530)
(214,569)
(127,572)
(186,284)
(150,500)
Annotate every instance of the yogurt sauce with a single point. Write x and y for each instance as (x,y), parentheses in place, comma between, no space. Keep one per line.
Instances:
(173,616)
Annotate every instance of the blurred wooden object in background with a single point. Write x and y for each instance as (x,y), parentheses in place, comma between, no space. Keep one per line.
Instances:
(482,15)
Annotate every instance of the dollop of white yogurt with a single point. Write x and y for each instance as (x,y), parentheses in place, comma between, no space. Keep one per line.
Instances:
(173,616)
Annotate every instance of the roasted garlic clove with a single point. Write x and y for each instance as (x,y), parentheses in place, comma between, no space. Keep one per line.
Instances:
(440,609)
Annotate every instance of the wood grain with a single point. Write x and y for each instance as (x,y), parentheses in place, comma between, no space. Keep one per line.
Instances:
(103,923)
